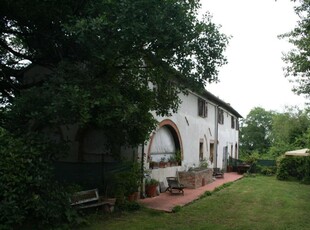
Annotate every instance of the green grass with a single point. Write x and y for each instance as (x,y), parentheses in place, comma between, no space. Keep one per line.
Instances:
(251,203)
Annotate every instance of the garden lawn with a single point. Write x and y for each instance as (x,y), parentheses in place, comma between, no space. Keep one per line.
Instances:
(250,203)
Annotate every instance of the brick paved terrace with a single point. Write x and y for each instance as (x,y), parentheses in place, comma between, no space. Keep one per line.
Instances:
(167,201)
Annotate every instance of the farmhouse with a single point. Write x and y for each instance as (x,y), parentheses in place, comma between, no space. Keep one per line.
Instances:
(205,129)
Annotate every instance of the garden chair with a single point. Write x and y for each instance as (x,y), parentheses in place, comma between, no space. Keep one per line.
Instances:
(174,184)
(217,172)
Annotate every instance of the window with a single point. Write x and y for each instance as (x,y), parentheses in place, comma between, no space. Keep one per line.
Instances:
(202,108)
(237,124)
(232,122)
(220,116)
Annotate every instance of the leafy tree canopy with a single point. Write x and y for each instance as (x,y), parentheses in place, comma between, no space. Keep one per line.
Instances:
(297,60)
(270,133)
(255,131)
(103,56)
(290,130)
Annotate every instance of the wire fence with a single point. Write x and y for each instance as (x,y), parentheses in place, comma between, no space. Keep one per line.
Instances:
(89,175)
(255,168)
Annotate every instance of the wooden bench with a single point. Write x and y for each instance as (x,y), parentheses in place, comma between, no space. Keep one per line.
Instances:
(217,172)
(174,184)
(90,199)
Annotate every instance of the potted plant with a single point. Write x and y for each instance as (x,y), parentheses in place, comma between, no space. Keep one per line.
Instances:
(178,157)
(151,187)
(229,168)
(162,163)
(129,181)
(154,165)
(172,160)
(229,164)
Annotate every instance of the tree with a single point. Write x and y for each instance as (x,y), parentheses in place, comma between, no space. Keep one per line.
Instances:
(290,130)
(110,64)
(103,57)
(297,60)
(255,132)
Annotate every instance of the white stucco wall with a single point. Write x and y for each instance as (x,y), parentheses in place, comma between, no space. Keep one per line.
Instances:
(227,136)
(195,129)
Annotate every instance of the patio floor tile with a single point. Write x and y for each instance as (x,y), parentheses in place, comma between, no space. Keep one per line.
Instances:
(166,201)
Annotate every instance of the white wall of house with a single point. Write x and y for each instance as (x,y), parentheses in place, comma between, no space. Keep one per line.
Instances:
(197,134)
(228,138)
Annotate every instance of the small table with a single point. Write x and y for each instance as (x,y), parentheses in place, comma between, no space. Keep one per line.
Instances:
(243,168)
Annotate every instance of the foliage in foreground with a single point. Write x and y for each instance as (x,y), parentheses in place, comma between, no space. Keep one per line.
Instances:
(297,60)
(28,193)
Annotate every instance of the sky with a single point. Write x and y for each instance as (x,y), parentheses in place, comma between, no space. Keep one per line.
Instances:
(254,75)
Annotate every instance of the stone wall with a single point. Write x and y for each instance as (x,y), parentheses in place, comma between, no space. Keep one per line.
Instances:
(196,178)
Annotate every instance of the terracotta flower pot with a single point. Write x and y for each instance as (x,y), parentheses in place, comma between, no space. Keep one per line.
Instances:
(133,197)
(154,165)
(151,190)
(229,168)
(162,164)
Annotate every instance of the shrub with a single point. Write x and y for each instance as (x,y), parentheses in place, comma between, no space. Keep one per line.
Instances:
(267,170)
(129,180)
(296,167)
(306,180)
(28,194)
(252,158)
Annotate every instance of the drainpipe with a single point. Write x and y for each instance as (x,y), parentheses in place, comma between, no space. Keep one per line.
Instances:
(216,125)
(142,192)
